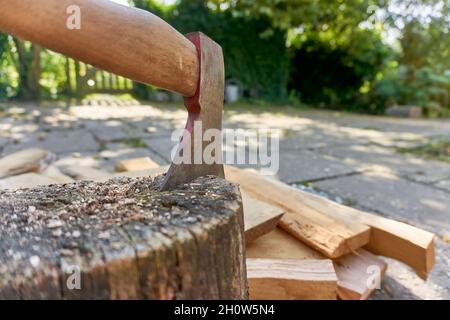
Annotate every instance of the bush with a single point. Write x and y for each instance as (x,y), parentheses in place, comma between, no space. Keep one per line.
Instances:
(256,60)
(337,71)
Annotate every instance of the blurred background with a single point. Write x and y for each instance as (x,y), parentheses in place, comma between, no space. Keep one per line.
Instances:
(354,55)
(322,73)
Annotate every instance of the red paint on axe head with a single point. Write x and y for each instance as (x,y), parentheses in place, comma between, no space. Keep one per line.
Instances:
(192,103)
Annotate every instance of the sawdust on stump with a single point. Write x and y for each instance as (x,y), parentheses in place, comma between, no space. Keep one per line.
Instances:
(128,239)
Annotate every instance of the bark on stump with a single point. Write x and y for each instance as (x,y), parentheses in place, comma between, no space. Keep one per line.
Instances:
(128,239)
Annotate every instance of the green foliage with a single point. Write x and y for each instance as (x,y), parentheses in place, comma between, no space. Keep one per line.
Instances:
(258,62)
(7,79)
(336,69)
(438,149)
(328,53)
(311,15)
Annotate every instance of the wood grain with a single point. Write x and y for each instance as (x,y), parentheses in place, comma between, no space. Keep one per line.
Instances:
(260,218)
(359,274)
(291,279)
(332,235)
(128,239)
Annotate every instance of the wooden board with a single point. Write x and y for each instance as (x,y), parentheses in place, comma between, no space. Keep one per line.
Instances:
(334,236)
(29,160)
(279,244)
(275,279)
(136,164)
(260,218)
(359,274)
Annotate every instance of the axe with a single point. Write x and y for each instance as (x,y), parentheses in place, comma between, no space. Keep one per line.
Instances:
(137,45)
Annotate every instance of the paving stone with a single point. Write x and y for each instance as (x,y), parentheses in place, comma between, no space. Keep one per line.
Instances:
(87,159)
(117,151)
(108,131)
(162,146)
(304,165)
(444,184)
(58,142)
(384,159)
(395,197)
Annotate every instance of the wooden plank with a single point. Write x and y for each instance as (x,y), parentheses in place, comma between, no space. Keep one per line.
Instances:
(359,274)
(29,160)
(26,180)
(334,236)
(260,218)
(274,279)
(136,164)
(278,244)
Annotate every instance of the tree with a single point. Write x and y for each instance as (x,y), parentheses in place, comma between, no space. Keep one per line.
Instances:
(29,68)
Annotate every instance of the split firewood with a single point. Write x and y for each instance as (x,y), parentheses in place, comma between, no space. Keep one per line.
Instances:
(325,224)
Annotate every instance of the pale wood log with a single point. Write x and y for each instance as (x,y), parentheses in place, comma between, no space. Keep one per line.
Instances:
(130,240)
(334,236)
(126,41)
(291,279)
(359,274)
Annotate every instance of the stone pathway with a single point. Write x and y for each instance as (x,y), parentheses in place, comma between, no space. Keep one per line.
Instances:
(347,157)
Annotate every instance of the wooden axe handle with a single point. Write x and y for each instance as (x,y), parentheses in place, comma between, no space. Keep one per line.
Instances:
(126,41)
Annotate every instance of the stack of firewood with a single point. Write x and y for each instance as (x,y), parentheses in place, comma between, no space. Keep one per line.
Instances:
(299,245)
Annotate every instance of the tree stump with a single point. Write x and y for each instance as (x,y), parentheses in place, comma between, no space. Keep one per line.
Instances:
(125,239)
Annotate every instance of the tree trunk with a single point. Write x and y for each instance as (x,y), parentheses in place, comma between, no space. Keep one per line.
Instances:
(127,239)
(29,70)
(68,89)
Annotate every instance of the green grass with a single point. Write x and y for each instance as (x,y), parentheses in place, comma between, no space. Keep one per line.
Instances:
(436,150)
(134,142)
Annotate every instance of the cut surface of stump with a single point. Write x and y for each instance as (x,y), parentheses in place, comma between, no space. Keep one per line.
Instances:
(123,239)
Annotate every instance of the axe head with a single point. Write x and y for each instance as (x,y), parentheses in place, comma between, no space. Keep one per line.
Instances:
(205,113)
